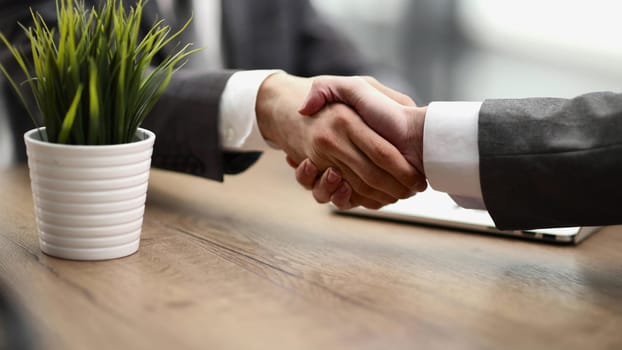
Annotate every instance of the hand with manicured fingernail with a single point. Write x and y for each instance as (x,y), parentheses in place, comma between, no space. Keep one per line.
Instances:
(391,114)
(338,138)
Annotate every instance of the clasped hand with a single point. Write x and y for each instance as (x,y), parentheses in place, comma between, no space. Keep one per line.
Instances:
(352,140)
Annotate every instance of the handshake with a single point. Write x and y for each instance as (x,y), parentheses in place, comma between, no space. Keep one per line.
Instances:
(353,141)
(532,163)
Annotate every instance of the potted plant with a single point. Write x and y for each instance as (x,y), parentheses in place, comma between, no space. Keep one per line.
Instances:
(93,84)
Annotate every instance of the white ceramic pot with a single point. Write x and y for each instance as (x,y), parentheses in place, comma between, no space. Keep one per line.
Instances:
(89,200)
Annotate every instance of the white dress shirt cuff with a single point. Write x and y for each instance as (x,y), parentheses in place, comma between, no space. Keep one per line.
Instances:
(450,150)
(238,120)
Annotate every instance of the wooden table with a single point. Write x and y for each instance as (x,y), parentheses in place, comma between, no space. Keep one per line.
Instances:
(255,264)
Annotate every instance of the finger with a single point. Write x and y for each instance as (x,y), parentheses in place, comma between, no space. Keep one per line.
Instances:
(358,200)
(337,149)
(327,185)
(366,194)
(292,162)
(379,193)
(392,94)
(318,96)
(329,89)
(306,174)
(386,157)
(377,163)
(403,179)
(341,197)
(348,90)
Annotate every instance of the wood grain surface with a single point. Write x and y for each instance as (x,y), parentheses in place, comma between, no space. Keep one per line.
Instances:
(254,263)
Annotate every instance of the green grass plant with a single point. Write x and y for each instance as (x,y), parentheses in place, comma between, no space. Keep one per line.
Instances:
(92,76)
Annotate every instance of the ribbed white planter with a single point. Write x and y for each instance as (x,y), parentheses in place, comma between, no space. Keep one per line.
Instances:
(89,200)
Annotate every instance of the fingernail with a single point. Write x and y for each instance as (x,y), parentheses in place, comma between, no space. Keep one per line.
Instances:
(332,176)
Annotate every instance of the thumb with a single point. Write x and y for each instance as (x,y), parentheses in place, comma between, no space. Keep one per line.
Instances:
(316,99)
(313,103)
(325,90)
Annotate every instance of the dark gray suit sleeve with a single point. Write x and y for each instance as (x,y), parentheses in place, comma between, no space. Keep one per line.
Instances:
(185,120)
(548,162)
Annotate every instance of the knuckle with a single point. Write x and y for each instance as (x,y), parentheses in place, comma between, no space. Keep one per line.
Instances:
(340,111)
(342,123)
(324,140)
(341,117)
(382,152)
(317,83)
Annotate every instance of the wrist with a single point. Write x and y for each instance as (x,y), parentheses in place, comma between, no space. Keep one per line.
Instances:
(278,100)
(266,105)
(416,122)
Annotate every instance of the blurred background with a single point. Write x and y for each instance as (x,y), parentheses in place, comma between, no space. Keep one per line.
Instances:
(478,49)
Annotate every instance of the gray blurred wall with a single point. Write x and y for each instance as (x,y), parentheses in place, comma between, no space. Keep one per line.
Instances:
(446,54)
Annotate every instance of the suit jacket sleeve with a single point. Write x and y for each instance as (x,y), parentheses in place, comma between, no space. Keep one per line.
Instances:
(185,120)
(548,162)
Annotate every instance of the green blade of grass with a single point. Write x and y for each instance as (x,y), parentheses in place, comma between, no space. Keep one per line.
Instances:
(70,117)
(91,74)
(93,103)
